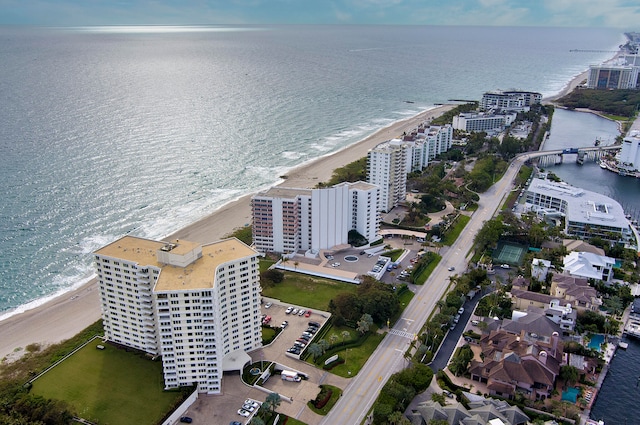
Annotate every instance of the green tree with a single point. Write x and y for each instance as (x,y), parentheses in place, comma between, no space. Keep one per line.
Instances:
(460,362)
(438,398)
(333,338)
(315,350)
(256,420)
(364,324)
(273,400)
(569,374)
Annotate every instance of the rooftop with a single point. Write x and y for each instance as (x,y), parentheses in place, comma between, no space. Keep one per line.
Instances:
(582,205)
(198,274)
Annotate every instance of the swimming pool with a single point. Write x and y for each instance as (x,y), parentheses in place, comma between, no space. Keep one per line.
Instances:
(570,394)
(596,341)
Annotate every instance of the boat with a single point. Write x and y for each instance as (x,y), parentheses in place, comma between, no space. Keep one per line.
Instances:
(603,165)
(623,345)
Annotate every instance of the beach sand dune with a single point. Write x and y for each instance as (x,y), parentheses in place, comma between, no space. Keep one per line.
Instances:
(67,315)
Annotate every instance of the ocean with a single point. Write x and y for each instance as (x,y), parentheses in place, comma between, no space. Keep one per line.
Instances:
(107,131)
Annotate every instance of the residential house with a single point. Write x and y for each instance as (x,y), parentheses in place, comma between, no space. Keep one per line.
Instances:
(481,412)
(589,266)
(518,364)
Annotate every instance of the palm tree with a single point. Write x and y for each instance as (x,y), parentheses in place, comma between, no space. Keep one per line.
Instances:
(333,338)
(345,334)
(323,344)
(273,400)
(315,350)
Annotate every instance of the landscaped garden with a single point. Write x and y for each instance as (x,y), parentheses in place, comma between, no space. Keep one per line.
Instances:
(110,386)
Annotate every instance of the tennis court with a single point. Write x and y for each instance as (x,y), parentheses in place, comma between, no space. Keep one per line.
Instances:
(509,253)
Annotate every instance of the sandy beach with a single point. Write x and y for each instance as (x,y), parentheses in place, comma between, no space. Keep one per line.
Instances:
(67,315)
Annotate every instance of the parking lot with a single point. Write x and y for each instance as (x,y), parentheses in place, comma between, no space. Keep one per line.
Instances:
(222,409)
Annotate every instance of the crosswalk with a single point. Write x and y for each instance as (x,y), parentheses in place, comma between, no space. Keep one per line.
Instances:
(402,333)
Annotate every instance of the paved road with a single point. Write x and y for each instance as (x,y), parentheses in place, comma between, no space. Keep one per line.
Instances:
(389,356)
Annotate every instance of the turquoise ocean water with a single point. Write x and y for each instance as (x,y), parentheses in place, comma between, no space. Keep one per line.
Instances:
(142,130)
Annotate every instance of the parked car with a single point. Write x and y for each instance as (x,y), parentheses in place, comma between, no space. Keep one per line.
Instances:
(363,252)
(244,413)
(248,407)
(186,420)
(284,324)
(312,329)
(294,311)
(302,312)
(505,266)
(252,402)
(268,305)
(314,324)
(451,269)
(461,310)
(308,313)
(266,320)
(288,310)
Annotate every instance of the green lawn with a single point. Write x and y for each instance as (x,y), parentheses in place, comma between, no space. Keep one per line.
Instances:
(356,357)
(454,232)
(109,386)
(307,291)
(426,272)
(336,393)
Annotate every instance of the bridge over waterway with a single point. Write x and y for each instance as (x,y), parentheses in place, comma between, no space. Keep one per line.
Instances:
(588,153)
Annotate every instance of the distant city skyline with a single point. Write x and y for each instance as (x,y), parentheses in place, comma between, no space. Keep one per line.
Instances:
(623,14)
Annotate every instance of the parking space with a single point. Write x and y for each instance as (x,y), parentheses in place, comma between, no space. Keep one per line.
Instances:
(296,326)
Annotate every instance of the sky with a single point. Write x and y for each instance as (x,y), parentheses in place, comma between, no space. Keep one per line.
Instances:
(623,14)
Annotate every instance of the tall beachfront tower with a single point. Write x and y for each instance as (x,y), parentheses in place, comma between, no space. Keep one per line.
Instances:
(629,156)
(196,306)
(387,169)
(291,219)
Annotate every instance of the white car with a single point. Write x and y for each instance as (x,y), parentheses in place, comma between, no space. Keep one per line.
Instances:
(288,310)
(505,266)
(251,402)
(244,413)
(294,311)
(268,305)
(302,312)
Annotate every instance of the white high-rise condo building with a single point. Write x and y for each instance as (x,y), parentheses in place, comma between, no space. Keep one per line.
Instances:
(387,169)
(291,219)
(622,72)
(510,100)
(197,306)
(483,122)
(629,156)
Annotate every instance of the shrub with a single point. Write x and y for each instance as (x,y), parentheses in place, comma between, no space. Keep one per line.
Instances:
(322,398)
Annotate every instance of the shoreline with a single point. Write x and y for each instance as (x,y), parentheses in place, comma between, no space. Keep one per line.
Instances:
(66,315)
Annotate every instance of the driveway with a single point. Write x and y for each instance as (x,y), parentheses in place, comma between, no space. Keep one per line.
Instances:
(222,409)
